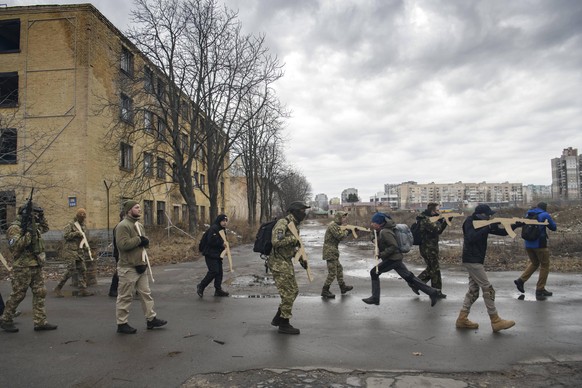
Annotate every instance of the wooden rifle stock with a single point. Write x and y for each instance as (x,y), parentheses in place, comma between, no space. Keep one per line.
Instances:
(506,223)
(354,229)
(301,254)
(226,251)
(446,216)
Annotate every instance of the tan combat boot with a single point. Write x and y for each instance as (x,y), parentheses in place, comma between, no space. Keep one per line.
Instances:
(463,321)
(498,324)
(58,292)
(84,292)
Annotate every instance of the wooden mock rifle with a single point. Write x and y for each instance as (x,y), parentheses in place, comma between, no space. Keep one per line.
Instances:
(446,216)
(301,255)
(226,251)
(354,229)
(506,223)
(144,254)
(376,249)
(3,260)
(84,243)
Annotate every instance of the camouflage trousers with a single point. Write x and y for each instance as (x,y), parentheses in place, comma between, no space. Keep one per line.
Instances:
(284,276)
(335,270)
(78,266)
(433,269)
(22,279)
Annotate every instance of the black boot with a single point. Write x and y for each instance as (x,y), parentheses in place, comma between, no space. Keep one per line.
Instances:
(220,292)
(344,288)
(45,326)
(326,293)
(375,298)
(124,328)
(286,328)
(200,290)
(156,322)
(277,318)
(431,292)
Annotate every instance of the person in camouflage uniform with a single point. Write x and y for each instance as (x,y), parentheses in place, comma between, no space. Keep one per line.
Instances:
(281,265)
(429,247)
(333,235)
(27,247)
(75,254)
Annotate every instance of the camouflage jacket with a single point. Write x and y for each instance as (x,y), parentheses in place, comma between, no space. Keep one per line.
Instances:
(26,247)
(73,239)
(333,236)
(430,231)
(284,243)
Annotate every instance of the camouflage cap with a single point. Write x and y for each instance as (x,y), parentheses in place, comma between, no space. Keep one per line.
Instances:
(297,205)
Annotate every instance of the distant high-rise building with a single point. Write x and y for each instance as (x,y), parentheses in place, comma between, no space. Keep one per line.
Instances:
(566,182)
(322,202)
(349,192)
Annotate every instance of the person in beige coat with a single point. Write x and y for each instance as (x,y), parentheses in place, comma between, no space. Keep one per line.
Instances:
(132,270)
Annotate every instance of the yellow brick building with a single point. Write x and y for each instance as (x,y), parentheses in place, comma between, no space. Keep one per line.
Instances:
(59,69)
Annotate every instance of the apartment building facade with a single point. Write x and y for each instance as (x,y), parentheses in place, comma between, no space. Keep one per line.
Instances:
(566,175)
(60,99)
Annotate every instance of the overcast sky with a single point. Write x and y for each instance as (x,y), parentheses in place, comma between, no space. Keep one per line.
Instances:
(386,91)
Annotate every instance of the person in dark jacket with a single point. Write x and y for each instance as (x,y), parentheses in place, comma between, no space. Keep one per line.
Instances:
(212,250)
(538,253)
(474,251)
(391,258)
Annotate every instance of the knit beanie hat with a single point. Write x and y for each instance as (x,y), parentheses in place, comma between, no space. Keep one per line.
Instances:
(81,213)
(127,205)
(543,206)
(379,218)
(220,218)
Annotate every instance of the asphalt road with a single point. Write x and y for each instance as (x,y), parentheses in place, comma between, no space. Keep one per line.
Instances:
(211,334)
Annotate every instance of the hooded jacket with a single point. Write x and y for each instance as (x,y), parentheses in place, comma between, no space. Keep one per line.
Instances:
(214,243)
(541,215)
(475,240)
(387,244)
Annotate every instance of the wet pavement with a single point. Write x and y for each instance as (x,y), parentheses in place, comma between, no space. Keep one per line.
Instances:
(216,342)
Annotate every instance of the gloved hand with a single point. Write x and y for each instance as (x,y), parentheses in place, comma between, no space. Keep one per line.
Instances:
(303,263)
(519,224)
(141,268)
(144,241)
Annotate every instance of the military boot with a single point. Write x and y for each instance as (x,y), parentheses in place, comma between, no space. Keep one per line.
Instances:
(286,328)
(375,298)
(326,293)
(8,326)
(463,321)
(84,292)
(220,292)
(344,288)
(58,292)
(45,326)
(498,324)
(277,318)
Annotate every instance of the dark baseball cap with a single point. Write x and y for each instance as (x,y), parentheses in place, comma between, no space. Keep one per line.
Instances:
(297,205)
(484,209)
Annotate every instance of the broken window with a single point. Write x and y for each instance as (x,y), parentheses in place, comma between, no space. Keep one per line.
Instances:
(9,89)
(126,156)
(126,61)
(8,143)
(9,36)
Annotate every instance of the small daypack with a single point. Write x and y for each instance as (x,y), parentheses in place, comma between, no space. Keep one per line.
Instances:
(263,243)
(416,234)
(531,232)
(203,241)
(404,237)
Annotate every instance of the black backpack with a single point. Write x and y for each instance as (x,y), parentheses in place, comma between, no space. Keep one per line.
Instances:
(203,241)
(263,243)
(531,232)
(416,234)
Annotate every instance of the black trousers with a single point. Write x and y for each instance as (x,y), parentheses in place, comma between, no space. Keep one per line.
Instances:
(214,273)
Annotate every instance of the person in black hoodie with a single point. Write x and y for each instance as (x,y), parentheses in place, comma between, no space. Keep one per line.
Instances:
(213,247)
(474,251)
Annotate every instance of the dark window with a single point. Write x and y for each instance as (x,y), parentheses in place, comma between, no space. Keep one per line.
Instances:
(161,89)
(175,173)
(126,157)
(9,89)
(148,82)
(148,121)
(126,61)
(9,36)
(148,212)
(147,164)
(161,129)
(202,182)
(126,109)
(161,168)
(8,144)
(161,210)
(184,143)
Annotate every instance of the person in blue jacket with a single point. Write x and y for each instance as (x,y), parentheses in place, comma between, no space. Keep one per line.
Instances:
(538,253)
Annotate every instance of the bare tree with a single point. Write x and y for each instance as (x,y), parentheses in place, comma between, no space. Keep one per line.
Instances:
(292,186)
(203,69)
